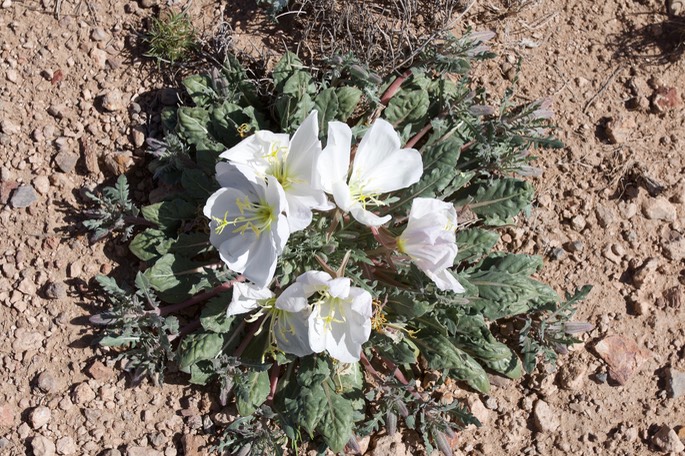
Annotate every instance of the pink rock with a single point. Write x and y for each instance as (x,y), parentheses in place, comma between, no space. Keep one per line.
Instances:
(622,355)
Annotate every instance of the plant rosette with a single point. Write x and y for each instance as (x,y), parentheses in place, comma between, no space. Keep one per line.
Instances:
(316,277)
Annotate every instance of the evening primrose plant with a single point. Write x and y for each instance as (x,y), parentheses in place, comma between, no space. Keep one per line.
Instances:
(327,241)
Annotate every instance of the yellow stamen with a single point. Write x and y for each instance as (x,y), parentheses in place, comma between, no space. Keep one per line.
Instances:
(256,217)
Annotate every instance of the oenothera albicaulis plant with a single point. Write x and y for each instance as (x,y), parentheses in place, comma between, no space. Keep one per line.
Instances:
(323,243)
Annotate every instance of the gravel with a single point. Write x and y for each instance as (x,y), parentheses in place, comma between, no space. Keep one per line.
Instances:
(24,196)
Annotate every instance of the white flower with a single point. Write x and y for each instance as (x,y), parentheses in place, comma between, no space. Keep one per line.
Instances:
(340,314)
(288,329)
(379,167)
(430,242)
(293,162)
(248,222)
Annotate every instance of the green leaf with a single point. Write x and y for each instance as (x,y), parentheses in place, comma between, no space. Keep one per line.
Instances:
(169,214)
(407,307)
(175,277)
(337,422)
(497,201)
(285,67)
(150,244)
(213,316)
(200,89)
(407,106)
(201,372)
(397,352)
(313,370)
(197,184)
(441,354)
(475,242)
(193,124)
(225,120)
(251,392)
(512,263)
(305,406)
(197,347)
(326,103)
(505,295)
(191,244)
(348,99)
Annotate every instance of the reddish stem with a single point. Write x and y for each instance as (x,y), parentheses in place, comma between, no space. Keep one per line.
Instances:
(273,377)
(412,142)
(394,87)
(163,311)
(251,331)
(187,329)
(370,369)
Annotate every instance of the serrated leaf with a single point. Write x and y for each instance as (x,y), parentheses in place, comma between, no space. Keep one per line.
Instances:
(191,244)
(305,406)
(285,67)
(251,392)
(201,372)
(497,201)
(150,244)
(213,316)
(441,354)
(407,107)
(512,263)
(197,347)
(313,370)
(197,184)
(337,421)
(326,103)
(176,277)
(397,352)
(110,286)
(200,89)
(169,214)
(475,242)
(348,99)
(193,124)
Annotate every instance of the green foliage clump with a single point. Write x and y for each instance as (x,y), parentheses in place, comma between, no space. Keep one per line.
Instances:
(473,155)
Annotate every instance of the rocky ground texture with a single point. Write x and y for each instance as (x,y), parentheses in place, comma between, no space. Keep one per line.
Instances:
(609,212)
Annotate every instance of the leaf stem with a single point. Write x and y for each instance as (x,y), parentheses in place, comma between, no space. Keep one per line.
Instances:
(163,311)
(394,87)
(249,335)
(417,137)
(273,378)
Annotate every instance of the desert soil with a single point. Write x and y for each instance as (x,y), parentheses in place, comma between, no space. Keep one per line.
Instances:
(609,212)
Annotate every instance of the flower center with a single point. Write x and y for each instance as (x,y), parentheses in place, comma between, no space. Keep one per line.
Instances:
(331,310)
(256,217)
(359,194)
(278,153)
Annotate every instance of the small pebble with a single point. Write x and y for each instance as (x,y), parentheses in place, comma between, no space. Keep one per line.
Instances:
(56,290)
(42,446)
(23,196)
(66,161)
(659,209)
(40,416)
(47,383)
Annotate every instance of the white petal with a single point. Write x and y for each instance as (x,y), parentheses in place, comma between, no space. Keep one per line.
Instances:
(228,175)
(367,218)
(292,334)
(314,281)
(430,207)
(445,281)
(317,330)
(293,298)
(299,215)
(245,298)
(340,346)
(305,150)
(340,287)
(261,264)
(379,142)
(335,158)
(342,195)
(398,170)
(235,251)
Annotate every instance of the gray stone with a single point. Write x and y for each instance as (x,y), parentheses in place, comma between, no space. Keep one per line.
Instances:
(42,446)
(605,216)
(578,223)
(674,249)
(645,272)
(667,440)
(41,184)
(82,394)
(23,196)
(675,382)
(659,209)
(56,290)
(113,101)
(5,444)
(40,416)
(544,418)
(66,161)
(9,128)
(99,34)
(66,446)
(25,340)
(47,383)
